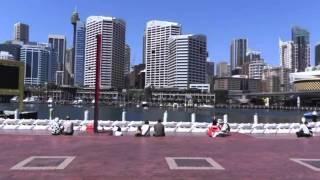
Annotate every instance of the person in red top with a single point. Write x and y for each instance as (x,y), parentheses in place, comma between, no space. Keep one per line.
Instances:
(213,128)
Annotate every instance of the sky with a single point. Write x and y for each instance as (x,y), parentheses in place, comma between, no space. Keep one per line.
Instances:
(263,22)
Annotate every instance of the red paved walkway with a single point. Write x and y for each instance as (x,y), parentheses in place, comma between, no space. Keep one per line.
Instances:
(105,157)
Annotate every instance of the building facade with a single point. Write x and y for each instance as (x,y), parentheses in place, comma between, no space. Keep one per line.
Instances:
(79,50)
(222,69)
(187,60)
(237,84)
(301,39)
(13,49)
(58,43)
(112,31)
(67,72)
(156,51)
(21,32)
(4,55)
(127,60)
(256,70)
(288,55)
(317,55)
(276,79)
(36,58)
(238,53)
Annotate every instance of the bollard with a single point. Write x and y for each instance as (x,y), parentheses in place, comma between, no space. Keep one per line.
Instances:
(16,114)
(86,115)
(165,116)
(124,113)
(225,118)
(193,118)
(50,113)
(255,118)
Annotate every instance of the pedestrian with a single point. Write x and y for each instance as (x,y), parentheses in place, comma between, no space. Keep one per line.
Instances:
(304,131)
(159,129)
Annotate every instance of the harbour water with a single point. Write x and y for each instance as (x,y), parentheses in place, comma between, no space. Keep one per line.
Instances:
(154,113)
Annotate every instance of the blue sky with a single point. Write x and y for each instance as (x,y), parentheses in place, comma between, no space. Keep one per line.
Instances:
(263,22)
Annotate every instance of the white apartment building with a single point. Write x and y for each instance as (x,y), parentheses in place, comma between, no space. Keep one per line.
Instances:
(256,70)
(112,51)
(156,51)
(187,60)
(223,69)
(287,55)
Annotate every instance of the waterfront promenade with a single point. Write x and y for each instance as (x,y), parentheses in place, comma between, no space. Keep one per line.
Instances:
(105,157)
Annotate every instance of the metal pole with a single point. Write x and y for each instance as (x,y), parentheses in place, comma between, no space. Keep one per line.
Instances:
(97,85)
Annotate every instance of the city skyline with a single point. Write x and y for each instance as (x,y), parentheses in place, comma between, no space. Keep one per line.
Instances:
(214,19)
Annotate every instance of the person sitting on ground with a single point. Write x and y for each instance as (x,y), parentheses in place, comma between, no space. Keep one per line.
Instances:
(304,131)
(145,129)
(139,131)
(213,128)
(117,131)
(55,127)
(224,129)
(159,129)
(67,128)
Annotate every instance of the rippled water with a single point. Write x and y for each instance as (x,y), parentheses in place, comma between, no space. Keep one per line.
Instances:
(152,114)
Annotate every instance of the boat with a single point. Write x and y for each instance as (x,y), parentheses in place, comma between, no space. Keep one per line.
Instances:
(144,104)
(14,99)
(93,101)
(77,101)
(206,106)
(50,100)
(32,99)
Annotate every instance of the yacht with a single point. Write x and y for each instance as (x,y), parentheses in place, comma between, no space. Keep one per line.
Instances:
(14,99)
(50,100)
(32,99)
(206,106)
(77,101)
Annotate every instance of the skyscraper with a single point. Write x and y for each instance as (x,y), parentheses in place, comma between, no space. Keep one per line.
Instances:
(223,69)
(238,53)
(301,39)
(67,73)
(36,58)
(156,50)
(112,31)
(21,32)
(127,60)
(186,60)
(317,55)
(58,43)
(287,55)
(79,37)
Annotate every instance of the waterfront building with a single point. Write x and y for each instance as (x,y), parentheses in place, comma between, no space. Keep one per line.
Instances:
(58,43)
(222,69)
(79,33)
(127,60)
(37,59)
(21,32)
(301,39)
(186,60)
(288,57)
(238,53)
(112,31)
(156,51)
(317,55)
(276,79)
(4,55)
(309,80)
(13,49)
(240,83)
(203,87)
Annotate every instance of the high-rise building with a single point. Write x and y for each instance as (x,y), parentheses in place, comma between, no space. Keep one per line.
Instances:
(287,55)
(112,31)
(58,43)
(222,69)
(21,32)
(127,60)
(187,60)
(79,37)
(253,56)
(256,70)
(37,58)
(156,49)
(317,55)
(301,39)
(238,52)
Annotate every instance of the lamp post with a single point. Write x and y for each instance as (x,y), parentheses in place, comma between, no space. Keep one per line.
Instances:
(97,84)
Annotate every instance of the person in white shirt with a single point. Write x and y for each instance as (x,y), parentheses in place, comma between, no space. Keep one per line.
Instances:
(145,129)
(224,129)
(117,131)
(304,131)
